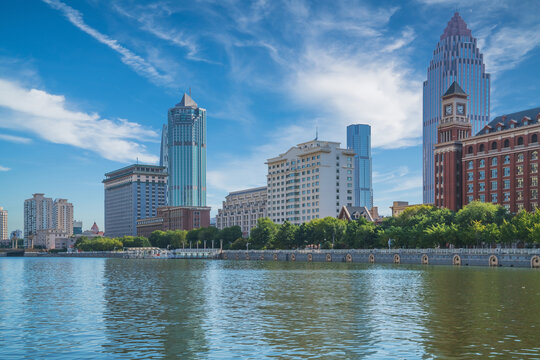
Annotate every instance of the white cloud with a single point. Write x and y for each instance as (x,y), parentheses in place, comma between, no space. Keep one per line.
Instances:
(348,90)
(15,139)
(3,168)
(506,47)
(136,62)
(47,116)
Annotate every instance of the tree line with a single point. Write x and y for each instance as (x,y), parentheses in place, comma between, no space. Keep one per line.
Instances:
(422,226)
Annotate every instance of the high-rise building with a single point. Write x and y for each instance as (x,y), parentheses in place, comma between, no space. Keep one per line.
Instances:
(63,216)
(131,193)
(243,208)
(185,155)
(499,164)
(38,215)
(456,58)
(3,224)
(311,180)
(359,140)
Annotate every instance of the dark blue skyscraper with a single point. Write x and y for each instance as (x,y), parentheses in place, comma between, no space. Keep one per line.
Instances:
(359,140)
(456,58)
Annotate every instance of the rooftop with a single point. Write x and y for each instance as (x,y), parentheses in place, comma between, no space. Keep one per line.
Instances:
(456,26)
(504,122)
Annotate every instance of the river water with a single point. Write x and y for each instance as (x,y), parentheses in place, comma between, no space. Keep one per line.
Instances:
(196,309)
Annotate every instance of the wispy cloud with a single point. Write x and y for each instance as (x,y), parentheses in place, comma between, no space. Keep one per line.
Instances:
(3,168)
(504,48)
(15,139)
(47,116)
(136,62)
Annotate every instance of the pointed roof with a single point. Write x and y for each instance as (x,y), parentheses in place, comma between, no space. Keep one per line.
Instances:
(455,89)
(94,228)
(186,101)
(456,26)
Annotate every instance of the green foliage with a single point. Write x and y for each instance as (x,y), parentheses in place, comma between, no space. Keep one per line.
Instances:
(263,234)
(239,244)
(422,226)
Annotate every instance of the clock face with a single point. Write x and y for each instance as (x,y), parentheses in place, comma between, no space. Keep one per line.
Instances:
(448,110)
(460,109)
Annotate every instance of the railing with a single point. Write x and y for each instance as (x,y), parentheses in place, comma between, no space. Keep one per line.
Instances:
(405,251)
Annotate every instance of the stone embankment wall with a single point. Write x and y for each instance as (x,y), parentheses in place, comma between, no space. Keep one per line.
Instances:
(87,254)
(529,258)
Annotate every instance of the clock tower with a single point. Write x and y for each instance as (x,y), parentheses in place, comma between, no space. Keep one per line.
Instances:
(453,127)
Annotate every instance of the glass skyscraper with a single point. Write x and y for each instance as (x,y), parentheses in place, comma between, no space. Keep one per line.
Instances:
(359,140)
(456,58)
(185,154)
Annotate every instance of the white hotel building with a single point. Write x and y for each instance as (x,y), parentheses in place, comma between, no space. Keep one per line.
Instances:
(242,208)
(310,181)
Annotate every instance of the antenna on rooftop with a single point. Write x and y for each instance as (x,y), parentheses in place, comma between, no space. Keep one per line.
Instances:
(316,133)
(190,91)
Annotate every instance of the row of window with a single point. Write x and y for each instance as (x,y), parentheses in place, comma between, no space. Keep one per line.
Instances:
(493,197)
(506,144)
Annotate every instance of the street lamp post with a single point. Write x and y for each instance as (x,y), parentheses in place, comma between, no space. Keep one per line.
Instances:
(247,246)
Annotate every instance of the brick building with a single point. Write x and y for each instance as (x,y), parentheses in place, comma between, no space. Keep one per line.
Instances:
(175,218)
(498,165)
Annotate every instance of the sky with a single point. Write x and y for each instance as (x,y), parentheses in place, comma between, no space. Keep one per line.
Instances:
(85,85)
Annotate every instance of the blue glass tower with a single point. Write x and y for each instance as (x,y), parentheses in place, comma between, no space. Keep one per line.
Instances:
(359,140)
(185,157)
(456,58)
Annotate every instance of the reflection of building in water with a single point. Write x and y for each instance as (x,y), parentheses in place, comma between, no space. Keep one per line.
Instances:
(166,313)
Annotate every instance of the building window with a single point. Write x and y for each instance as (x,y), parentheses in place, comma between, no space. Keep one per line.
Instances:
(534,138)
(520,157)
(506,143)
(534,155)
(534,194)
(482,198)
(520,206)
(493,185)
(519,169)
(506,184)
(507,159)
(506,171)
(470,165)
(482,163)
(470,150)
(469,199)
(534,168)
(519,183)
(481,148)
(520,140)
(494,145)
(494,161)
(481,175)
(494,197)
(493,173)
(534,181)
(506,196)
(470,176)
(482,186)
(470,188)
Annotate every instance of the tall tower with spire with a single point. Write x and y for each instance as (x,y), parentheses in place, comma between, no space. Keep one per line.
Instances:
(185,154)
(456,58)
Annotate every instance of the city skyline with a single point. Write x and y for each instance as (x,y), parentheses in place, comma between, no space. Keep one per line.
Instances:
(272,75)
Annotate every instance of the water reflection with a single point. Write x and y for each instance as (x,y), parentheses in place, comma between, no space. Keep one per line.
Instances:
(116,308)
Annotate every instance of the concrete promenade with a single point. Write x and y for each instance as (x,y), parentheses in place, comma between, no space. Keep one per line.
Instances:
(527,258)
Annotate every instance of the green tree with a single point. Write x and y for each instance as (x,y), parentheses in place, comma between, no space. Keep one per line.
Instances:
(229,235)
(285,237)
(263,234)
(239,244)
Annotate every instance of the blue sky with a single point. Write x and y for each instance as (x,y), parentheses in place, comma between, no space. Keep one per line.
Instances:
(85,85)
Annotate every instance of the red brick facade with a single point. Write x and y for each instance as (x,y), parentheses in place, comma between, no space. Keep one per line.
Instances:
(175,218)
(498,165)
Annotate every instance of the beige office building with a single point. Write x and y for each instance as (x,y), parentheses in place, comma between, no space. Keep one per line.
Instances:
(311,180)
(3,224)
(52,239)
(243,208)
(63,216)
